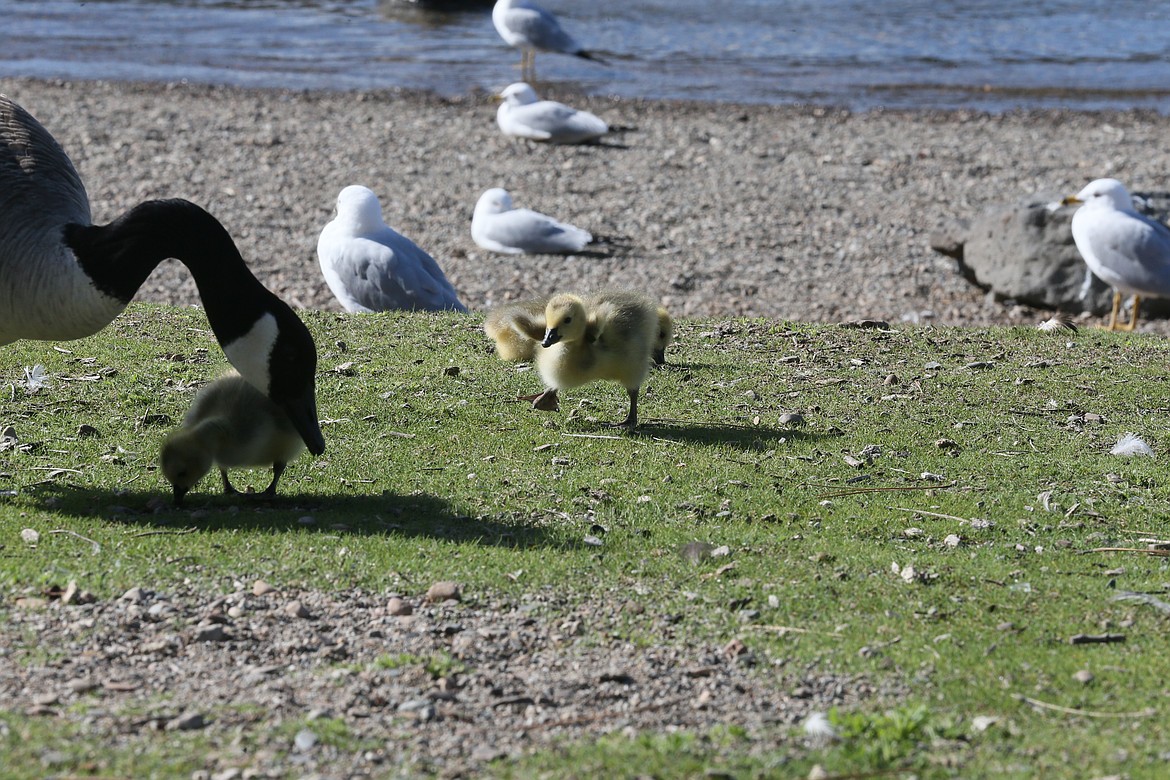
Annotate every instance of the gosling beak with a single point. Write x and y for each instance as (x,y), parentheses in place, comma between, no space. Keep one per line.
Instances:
(179,493)
(302,412)
(1071,200)
(550,337)
(659,356)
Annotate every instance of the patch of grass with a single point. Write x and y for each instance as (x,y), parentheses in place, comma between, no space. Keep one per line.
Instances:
(939,524)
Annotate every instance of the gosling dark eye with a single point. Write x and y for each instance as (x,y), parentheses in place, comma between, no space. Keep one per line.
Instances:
(567,320)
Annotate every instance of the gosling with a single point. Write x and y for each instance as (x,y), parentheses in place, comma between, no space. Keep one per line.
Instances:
(230,425)
(608,336)
(518,328)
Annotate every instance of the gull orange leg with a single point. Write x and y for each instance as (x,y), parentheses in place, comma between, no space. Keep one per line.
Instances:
(1113,315)
(1133,318)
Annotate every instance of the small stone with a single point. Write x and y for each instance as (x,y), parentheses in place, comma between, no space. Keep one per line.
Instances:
(260,588)
(82,685)
(304,740)
(189,721)
(29,536)
(235,612)
(296,609)
(135,595)
(952,540)
(1084,677)
(792,418)
(398,608)
(213,633)
(444,590)
(722,551)
(817,773)
(31,602)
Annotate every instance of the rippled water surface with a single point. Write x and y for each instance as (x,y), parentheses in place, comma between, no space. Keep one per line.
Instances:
(984,54)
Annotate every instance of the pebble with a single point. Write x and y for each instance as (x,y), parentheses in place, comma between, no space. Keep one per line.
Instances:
(444,590)
(398,608)
(30,536)
(260,588)
(135,595)
(1084,677)
(296,609)
(304,740)
(189,721)
(212,633)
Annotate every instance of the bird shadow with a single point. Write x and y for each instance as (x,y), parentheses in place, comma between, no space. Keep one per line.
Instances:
(745,437)
(388,514)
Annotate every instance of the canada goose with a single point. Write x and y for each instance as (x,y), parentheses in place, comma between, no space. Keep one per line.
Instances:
(606,336)
(523,115)
(231,424)
(498,227)
(518,328)
(528,27)
(63,278)
(371,267)
(1129,251)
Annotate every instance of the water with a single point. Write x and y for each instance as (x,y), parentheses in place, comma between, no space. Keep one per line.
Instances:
(983,54)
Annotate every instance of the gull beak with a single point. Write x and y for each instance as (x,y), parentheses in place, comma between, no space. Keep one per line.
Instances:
(1071,200)
(550,337)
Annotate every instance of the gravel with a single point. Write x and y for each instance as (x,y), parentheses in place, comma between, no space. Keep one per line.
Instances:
(792,212)
(443,690)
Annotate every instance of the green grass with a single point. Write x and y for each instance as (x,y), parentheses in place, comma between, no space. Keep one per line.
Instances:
(432,473)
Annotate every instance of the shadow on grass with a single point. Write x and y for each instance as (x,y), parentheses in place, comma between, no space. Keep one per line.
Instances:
(746,437)
(388,514)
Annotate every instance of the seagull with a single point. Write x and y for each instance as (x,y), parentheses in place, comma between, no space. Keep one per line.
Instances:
(524,115)
(1129,251)
(528,27)
(498,227)
(370,266)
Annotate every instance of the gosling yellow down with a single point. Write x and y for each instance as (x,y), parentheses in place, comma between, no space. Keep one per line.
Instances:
(605,337)
(230,425)
(518,328)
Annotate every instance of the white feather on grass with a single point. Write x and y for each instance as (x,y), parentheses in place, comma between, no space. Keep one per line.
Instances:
(35,378)
(1131,444)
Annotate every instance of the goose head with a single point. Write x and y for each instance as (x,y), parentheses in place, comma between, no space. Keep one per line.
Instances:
(565,319)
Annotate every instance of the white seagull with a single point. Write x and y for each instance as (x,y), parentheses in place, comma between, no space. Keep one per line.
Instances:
(524,115)
(498,227)
(1128,251)
(528,27)
(62,277)
(371,267)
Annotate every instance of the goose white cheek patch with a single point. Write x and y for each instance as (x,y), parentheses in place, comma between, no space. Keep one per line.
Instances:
(250,352)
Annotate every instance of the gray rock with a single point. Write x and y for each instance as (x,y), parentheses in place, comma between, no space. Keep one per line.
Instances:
(1025,252)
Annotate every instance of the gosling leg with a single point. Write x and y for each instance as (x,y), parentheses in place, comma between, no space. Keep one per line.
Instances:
(631,421)
(277,470)
(227,486)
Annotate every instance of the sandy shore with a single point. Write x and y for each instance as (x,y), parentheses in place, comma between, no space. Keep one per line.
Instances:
(788,212)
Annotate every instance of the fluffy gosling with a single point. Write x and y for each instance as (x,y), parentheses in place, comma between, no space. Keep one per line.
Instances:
(230,425)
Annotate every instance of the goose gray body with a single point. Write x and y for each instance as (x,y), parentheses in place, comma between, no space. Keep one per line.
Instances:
(62,277)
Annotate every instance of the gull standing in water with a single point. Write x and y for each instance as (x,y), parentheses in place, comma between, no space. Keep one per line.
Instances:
(530,28)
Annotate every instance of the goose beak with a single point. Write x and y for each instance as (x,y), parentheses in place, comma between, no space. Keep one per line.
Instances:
(659,356)
(179,493)
(1071,200)
(550,337)
(302,412)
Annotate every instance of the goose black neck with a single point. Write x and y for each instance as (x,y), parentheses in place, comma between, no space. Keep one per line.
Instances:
(118,257)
